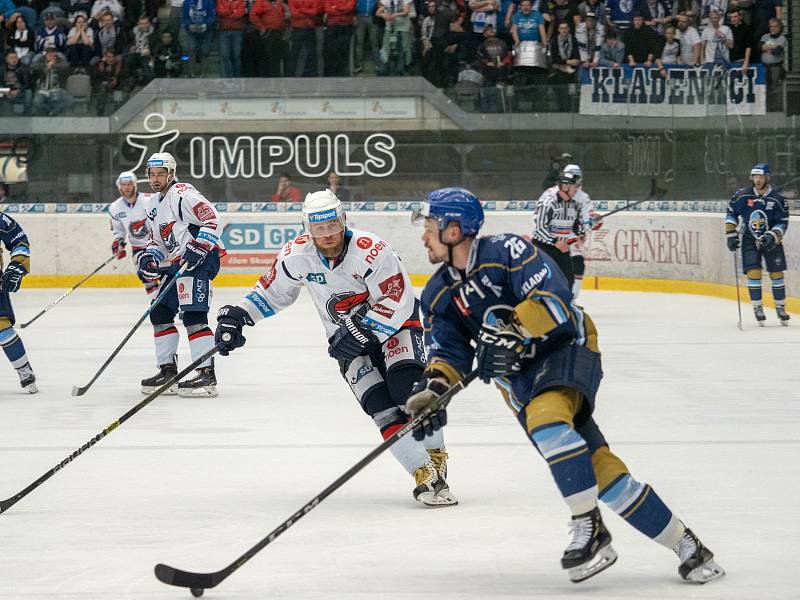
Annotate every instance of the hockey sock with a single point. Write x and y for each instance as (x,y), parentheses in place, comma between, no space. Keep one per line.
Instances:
(640,506)
(201,340)
(754,286)
(13,347)
(567,455)
(434,441)
(166,339)
(576,286)
(778,288)
(410,453)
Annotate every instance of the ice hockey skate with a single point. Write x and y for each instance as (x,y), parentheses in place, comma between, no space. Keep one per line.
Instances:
(432,489)
(204,384)
(697,561)
(27,379)
(165,373)
(758,311)
(590,550)
(783,316)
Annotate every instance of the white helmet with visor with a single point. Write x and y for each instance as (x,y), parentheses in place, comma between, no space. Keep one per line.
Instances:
(323,214)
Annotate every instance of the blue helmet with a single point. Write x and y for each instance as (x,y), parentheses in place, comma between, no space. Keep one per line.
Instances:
(760,169)
(453,204)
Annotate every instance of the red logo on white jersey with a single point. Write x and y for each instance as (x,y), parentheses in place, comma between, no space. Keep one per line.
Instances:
(203,211)
(393,287)
(138,228)
(374,252)
(267,279)
(301,239)
(363,242)
(382,310)
(181,288)
(392,343)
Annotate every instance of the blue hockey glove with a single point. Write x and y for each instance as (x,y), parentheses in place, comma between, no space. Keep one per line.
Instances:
(147,266)
(768,241)
(11,279)
(194,254)
(230,321)
(424,393)
(732,239)
(498,352)
(353,339)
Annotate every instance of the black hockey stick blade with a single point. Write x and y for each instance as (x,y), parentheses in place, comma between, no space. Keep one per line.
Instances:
(197,582)
(9,502)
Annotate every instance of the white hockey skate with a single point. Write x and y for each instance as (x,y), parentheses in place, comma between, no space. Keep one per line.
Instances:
(697,561)
(590,551)
(432,490)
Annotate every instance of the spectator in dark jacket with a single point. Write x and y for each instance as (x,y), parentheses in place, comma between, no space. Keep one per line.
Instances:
(269,19)
(50,74)
(167,61)
(108,37)
(565,59)
(21,39)
(199,17)
(640,43)
(106,77)
(231,20)
(137,64)
(17,77)
(339,29)
(742,39)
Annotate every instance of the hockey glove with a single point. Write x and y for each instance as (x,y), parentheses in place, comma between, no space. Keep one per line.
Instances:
(732,240)
(353,339)
(424,393)
(194,254)
(118,249)
(768,241)
(11,279)
(147,267)
(230,321)
(498,352)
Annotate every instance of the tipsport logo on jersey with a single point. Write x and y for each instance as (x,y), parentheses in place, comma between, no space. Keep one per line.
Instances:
(255,245)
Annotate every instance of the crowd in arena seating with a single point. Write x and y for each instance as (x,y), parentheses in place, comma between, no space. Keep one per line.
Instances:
(58,52)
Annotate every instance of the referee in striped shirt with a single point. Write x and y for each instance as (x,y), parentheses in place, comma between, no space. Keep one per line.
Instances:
(555,221)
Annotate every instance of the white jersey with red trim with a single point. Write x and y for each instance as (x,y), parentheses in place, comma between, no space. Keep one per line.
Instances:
(129,221)
(178,217)
(369,278)
(585,214)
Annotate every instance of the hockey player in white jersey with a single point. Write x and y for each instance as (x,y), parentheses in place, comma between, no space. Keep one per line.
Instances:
(585,223)
(129,222)
(367,306)
(184,229)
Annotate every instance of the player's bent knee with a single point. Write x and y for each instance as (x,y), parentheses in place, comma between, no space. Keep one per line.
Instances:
(401,378)
(776,275)
(753,273)
(193,317)
(161,315)
(557,405)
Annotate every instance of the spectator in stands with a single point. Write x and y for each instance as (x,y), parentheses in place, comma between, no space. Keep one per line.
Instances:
(441,70)
(717,40)
(620,13)
(395,53)
(333,185)
(106,77)
(556,12)
(112,6)
(269,19)
(17,77)
(50,71)
(80,44)
(138,64)
(198,19)
(425,35)
(50,34)
(149,8)
(482,13)
(528,25)
(21,38)
(690,41)
(167,56)
(706,6)
(612,52)
(742,39)
(763,11)
(73,7)
(365,27)
(340,15)
(598,8)
(108,37)
(231,20)
(656,15)
(640,43)
(590,39)
(670,51)
(773,50)
(565,60)
(306,15)
(495,57)
(286,192)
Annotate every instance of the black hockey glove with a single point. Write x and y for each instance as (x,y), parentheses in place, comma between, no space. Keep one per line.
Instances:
(353,339)
(230,321)
(147,267)
(424,393)
(11,279)
(194,254)
(768,241)
(732,240)
(498,352)
(118,249)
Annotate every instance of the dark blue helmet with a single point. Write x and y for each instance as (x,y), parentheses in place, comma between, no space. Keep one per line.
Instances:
(760,169)
(453,204)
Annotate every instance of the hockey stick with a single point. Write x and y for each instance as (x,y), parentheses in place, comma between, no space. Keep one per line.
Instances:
(738,294)
(80,391)
(197,582)
(68,292)
(616,210)
(9,502)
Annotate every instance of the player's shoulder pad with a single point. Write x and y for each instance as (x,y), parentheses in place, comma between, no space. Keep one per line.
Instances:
(741,192)
(501,248)
(432,291)
(182,188)
(368,246)
(299,246)
(6,223)
(776,194)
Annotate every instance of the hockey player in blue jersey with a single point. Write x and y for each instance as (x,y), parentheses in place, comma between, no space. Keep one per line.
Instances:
(16,242)
(511,300)
(764,215)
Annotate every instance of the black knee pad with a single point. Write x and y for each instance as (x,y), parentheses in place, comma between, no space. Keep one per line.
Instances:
(578,265)
(379,405)
(400,379)
(195,318)
(161,315)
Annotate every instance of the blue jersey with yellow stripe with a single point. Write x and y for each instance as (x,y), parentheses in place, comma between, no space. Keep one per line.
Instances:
(759,213)
(14,239)
(504,273)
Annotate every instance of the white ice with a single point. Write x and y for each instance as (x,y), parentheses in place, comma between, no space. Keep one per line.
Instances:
(707,414)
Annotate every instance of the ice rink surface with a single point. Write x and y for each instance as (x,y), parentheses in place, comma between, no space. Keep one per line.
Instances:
(707,414)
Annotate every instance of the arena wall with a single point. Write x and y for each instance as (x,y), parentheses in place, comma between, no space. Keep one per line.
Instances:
(682,252)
